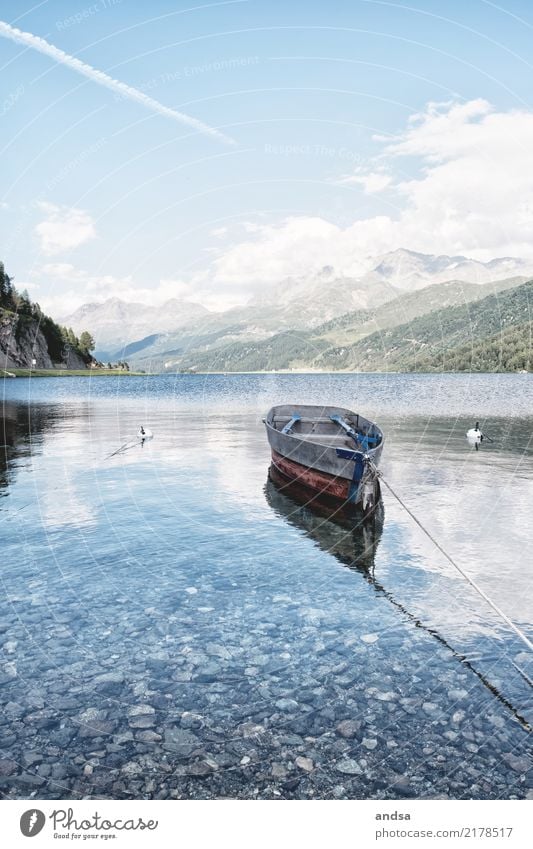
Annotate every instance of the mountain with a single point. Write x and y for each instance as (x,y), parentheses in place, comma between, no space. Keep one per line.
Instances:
(186,335)
(491,334)
(311,299)
(115,323)
(328,293)
(296,303)
(409,270)
(352,326)
(327,346)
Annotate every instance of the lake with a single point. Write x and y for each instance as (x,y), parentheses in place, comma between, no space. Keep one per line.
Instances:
(174,626)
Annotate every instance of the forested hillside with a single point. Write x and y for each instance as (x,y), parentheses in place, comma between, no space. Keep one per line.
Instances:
(487,334)
(27,333)
(493,334)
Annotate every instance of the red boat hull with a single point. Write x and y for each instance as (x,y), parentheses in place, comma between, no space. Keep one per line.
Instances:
(320,483)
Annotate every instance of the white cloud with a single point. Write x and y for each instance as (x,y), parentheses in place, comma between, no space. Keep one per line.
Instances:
(63,228)
(475,192)
(471,193)
(275,251)
(300,245)
(61,270)
(371,181)
(73,286)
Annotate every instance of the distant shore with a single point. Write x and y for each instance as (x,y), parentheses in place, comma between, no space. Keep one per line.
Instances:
(26,372)
(55,372)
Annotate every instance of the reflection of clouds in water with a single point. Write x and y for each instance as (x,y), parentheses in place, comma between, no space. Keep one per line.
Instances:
(195,468)
(239,459)
(483,525)
(227,452)
(64,497)
(67,508)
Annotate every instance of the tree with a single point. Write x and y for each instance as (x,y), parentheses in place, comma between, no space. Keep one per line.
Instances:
(72,339)
(54,338)
(86,343)
(3,285)
(6,289)
(24,304)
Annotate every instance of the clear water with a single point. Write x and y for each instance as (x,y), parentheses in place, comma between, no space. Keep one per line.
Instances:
(174,626)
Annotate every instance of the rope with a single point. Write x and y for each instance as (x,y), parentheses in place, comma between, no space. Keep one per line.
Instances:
(126,447)
(472,583)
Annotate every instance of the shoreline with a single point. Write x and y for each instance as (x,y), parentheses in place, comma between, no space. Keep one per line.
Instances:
(40,373)
(35,372)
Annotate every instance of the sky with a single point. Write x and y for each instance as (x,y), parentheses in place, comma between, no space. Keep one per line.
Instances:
(208,151)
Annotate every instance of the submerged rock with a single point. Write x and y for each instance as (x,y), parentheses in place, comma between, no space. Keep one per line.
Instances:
(8,767)
(200,769)
(348,728)
(521,764)
(148,737)
(143,721)
(132,768)
(278,770)
(349,767)
(287,705)
(141,710)
(181,741)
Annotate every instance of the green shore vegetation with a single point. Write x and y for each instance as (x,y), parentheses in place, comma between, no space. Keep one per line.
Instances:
(25,313)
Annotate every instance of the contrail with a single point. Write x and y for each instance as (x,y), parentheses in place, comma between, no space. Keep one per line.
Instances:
(37,43)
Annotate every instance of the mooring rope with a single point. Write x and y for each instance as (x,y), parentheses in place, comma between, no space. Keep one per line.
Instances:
(472,583)
(126,447)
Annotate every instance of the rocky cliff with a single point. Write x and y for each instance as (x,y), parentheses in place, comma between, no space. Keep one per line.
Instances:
(22,342)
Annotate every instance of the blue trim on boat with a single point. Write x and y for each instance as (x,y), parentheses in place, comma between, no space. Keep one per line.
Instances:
(363,440)
(345,426)
(287,429)
(358,469)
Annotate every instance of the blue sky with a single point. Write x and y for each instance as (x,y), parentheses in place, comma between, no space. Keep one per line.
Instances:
(102,195)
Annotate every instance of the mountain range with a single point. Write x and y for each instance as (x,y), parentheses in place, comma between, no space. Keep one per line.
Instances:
(115,322)
(300,322)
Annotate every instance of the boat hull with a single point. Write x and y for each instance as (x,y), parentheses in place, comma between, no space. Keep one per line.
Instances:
(326,485)
(322,488)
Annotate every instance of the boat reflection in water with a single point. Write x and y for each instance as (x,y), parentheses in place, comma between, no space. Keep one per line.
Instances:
(345,534)
(354,540)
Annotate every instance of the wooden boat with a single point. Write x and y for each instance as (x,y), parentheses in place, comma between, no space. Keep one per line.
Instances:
(329,450)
